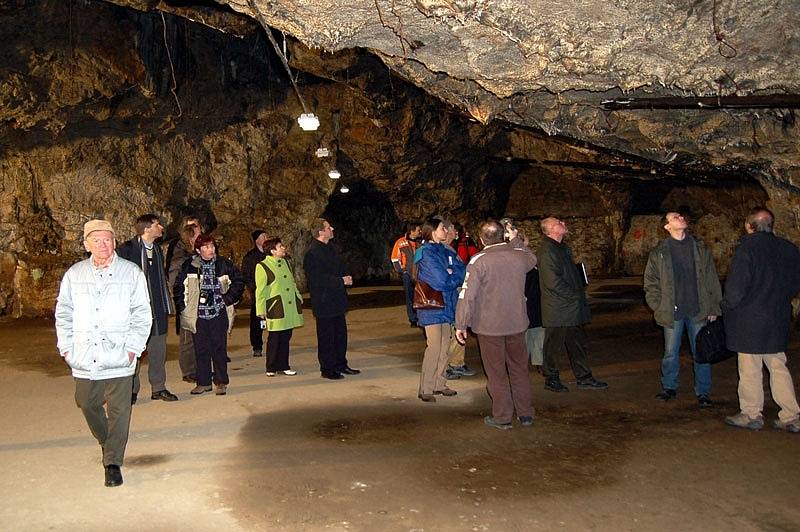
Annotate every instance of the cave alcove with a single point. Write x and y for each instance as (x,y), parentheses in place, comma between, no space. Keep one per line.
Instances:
(364,222)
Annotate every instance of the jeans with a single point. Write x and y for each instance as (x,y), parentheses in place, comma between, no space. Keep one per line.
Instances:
(408,287)
(670,365)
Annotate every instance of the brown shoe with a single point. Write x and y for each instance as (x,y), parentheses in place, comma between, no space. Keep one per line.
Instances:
(447,392)
(197,390)
(427,397)
(222,389)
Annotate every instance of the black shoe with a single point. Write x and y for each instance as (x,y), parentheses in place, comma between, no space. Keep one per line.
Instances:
(113,476)
(427,397)
(451,375)
(257,353)
(555,385)
(133,398)
(189,378)
(526,421)
(704,401)
(333,375)
(666,395)
(447,392)
(163,395)
(592,384)
(350,371)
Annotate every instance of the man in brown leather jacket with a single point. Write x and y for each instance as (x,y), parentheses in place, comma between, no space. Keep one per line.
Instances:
(492,304)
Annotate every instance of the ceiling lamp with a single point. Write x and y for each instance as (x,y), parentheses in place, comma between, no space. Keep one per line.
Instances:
(344,189)
(323,152)
(334,174)
(308,122)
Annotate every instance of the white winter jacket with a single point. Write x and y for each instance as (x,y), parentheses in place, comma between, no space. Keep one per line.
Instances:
(101,315)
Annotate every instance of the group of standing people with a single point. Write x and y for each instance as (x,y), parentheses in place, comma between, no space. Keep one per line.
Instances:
(682,287)
(514,304)
(113,306)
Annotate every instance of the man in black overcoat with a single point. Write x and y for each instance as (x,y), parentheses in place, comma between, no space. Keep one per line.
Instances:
(328,279)
(764,276)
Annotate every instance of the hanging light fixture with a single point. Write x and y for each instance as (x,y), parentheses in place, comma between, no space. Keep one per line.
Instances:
(322,152)
(308,121)
(344,189)
(334,174)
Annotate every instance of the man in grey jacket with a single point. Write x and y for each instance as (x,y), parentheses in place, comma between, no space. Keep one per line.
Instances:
(682,287)
(103,320)
(565,310)
(492,303)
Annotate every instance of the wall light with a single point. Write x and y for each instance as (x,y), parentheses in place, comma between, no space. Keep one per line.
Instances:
(344,189)
(308,122)
(334,174)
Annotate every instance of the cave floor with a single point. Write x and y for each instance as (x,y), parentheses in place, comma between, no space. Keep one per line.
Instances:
(303,453)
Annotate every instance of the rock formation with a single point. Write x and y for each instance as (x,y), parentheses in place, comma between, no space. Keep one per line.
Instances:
(604,113)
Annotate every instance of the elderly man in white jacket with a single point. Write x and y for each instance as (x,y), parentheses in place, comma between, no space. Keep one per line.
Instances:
(103,320)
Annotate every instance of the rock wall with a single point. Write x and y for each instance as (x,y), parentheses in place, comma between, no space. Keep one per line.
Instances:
(113,112)
(92,128)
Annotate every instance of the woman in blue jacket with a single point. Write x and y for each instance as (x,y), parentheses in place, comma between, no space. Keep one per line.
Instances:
(440,267)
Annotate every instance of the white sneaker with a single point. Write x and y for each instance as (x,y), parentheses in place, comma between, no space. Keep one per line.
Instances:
(743,421)
(788,426)
(271,374)
(289,372)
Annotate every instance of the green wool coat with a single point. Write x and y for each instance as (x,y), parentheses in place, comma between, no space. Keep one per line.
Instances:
(277,297)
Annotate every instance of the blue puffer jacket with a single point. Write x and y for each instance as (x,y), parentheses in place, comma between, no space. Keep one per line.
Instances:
(432,261)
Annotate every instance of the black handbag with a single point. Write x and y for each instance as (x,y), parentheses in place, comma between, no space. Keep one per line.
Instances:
(426,298)
(710,343)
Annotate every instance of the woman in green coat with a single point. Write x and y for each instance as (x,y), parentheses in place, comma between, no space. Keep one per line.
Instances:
(279,305)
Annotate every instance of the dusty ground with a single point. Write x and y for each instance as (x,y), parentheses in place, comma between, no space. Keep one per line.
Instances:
(303,453)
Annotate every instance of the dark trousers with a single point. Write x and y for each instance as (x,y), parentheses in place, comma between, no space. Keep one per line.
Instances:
(156,361)
(408,287)
(278,350)
(332,344)
(211,345)
(256,336)
(573,339)
(108,425)
(505,359)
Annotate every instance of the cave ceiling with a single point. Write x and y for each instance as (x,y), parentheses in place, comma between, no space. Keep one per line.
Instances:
(691,87)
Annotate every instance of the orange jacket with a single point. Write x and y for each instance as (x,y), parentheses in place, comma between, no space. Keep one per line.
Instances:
(403,253)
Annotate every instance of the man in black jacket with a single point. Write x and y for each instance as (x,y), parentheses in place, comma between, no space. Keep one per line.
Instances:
(763,278)
(327,279)
(249,262)
(145,253)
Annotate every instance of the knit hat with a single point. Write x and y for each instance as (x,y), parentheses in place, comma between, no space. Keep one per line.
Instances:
(257,233)
(202,240)
(97,225)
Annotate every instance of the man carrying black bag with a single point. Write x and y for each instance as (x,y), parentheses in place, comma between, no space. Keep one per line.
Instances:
(763,277)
